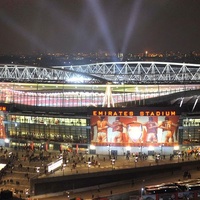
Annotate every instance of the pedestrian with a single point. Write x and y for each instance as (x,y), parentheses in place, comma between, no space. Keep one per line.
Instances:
(111,192)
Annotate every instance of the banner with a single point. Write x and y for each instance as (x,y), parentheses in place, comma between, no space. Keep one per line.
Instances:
(134,130)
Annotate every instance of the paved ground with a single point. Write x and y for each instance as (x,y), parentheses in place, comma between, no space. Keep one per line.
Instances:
(105,190)
(27,170)
(121,187)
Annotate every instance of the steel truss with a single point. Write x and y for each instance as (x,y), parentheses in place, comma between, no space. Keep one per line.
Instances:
(114,72)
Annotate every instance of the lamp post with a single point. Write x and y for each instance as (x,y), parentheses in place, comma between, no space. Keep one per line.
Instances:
(161,149)
(89,166)
(141,148)
(136,160)
(64,165)
(142,188)
(112,163)
(179,156)
(109,150)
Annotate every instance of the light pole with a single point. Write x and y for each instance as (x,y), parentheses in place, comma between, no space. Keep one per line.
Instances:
(161,149)
(109,150)
(141,147)
(64,165)
(136,160)
(89,166)
(179,156)
(142,189)
(112,163)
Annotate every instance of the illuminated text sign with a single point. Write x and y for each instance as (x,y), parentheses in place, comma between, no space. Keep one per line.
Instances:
(131,113)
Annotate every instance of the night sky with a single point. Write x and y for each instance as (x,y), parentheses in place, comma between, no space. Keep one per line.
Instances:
(70,26)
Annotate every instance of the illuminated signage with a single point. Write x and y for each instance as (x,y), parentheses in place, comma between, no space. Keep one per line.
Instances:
(2,108)
(131,113)
(55,165)
(113,113)
(158,113)
(150,128)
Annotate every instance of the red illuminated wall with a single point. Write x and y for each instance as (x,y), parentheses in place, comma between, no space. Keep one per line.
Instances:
(2,127)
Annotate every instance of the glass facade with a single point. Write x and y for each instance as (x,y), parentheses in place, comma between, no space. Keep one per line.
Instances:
(46,129)
(191,131)
(38,130)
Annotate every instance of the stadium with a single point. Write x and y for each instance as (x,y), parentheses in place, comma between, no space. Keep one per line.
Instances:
(113,108)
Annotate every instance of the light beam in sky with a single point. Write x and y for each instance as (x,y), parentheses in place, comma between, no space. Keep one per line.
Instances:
(22,31)
(131,24)
(101,21)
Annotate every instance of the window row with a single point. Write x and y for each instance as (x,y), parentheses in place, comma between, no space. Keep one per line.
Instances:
(47,120)
(50,133)
(71,100)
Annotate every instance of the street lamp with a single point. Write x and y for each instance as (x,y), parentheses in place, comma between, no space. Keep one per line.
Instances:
(161,149)
(112,162)
(142,189)
(109,149)
(179,156)
(141,147)
(136,160)
(89,166)
(64,165)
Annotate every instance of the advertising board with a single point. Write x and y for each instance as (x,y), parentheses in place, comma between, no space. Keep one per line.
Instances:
(133,130)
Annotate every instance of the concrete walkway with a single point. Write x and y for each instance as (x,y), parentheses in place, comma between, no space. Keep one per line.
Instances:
(120,187)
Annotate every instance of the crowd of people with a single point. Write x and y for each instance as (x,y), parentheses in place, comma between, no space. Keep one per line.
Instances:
(22,164)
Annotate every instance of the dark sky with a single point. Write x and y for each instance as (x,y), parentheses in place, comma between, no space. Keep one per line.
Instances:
(99,25)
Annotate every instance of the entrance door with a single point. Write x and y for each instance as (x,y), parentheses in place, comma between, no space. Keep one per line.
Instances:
(151,153)
(114,153)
